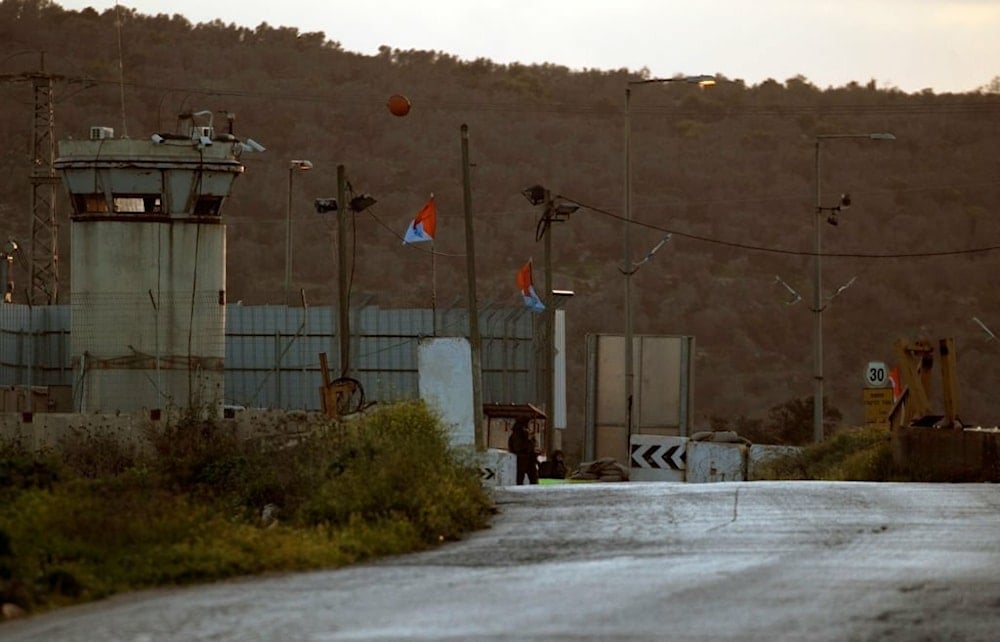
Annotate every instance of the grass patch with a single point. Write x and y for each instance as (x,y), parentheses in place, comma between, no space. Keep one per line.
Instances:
(193,502)
(851,454)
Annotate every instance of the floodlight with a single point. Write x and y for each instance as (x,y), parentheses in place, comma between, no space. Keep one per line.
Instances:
(535,194)
(250,145)
(362,202)
(324,205)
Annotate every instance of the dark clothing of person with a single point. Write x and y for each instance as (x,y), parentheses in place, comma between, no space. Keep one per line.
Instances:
(554,467)
(522,444)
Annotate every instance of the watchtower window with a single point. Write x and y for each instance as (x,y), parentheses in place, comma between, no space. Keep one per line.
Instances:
(121,204)
(207,205)
(138,203)
(90,203)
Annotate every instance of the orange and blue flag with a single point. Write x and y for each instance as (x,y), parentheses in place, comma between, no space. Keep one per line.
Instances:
(424,224)
(527,288)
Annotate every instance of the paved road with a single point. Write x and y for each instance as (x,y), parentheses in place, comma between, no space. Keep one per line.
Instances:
(636,561)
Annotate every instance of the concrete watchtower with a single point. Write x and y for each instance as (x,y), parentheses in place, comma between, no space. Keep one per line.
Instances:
(148,283)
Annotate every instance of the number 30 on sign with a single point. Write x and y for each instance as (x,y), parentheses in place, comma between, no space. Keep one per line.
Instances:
(876,375)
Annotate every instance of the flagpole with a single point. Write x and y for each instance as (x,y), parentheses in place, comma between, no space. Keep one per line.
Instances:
(422,229)
(434,315)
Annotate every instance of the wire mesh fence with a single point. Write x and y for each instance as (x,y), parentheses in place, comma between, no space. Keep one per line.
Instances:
(272,353)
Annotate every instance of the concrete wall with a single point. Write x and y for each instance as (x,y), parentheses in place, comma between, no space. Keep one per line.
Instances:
(47,430)
(141,336)
(947,454)
(445,366)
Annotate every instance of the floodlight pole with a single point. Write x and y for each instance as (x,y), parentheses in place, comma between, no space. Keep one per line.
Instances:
(293,166)
(818,284)
(549,351)
(628,268)
(288,240)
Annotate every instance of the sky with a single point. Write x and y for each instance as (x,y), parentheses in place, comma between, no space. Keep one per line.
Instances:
(911,45)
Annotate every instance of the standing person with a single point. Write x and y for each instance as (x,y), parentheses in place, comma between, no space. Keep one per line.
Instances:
(522,444)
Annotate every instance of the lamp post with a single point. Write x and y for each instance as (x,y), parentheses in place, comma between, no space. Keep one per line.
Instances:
(556,211)
(293,166)
(818,277)
(343,207)
(628,268)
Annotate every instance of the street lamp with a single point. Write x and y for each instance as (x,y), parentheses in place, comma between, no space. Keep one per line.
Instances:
(628,268)
(818,306)
(556,211)
(293,166)
(356,204)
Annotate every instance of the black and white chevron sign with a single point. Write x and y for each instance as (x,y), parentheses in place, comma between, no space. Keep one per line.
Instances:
(667,456)
(487,473)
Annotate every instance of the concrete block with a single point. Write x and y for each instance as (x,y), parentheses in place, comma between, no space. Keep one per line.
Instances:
(657,458)
(497,467)
(709,461)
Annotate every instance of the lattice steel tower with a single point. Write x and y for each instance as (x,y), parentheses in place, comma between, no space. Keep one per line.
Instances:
(43,277)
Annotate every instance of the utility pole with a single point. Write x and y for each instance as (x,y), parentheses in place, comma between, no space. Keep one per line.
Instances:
(344,309)
(475,341)
(556,211)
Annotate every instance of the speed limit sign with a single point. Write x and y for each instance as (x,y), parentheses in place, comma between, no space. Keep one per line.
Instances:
(876,375)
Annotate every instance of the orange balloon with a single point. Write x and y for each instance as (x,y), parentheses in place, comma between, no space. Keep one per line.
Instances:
(399,105)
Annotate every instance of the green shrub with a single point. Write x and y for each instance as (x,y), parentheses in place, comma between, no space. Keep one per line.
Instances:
(21,468)
(396,464)
(189,506)
(851,454)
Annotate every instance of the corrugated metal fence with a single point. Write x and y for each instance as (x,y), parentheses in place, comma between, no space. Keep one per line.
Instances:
(272,352)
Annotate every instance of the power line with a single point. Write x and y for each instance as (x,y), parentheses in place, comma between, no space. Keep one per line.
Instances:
(773,250)
(974,104)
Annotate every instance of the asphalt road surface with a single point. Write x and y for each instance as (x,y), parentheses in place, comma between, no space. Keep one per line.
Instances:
(631,561)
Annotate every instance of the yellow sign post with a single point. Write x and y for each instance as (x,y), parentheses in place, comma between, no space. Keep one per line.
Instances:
(878,404)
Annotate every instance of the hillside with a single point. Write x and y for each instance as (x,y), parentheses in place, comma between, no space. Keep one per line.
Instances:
(729,171)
